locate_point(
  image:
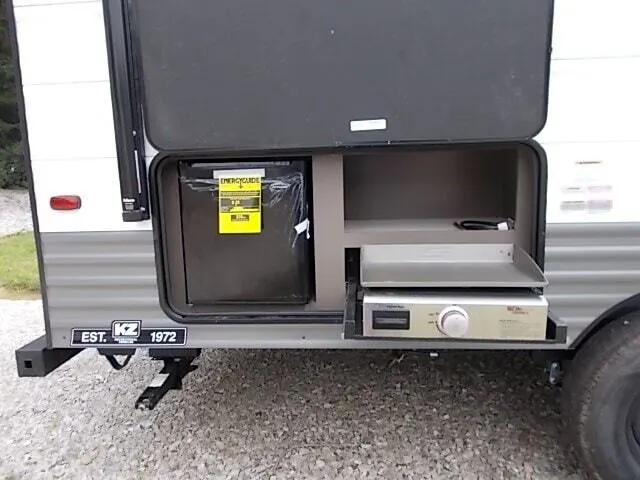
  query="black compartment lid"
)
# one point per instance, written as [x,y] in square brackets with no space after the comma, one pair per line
[260,76]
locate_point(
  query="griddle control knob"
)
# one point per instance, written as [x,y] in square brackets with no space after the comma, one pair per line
[453,322]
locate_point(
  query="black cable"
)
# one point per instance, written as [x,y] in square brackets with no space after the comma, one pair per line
[481,224]
[114,363]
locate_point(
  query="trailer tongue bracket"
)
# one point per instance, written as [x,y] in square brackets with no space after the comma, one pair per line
[169,378]
[36,359]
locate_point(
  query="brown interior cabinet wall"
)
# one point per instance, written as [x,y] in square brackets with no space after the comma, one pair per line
[429,185]
[328,230]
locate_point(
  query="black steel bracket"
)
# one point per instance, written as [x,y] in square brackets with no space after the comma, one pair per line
[162,353]
[352,328]
[123,352]
[127,110]
[169,378]
[35,359]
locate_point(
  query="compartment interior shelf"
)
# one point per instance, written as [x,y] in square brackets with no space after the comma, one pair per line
[449,266]
[411,231]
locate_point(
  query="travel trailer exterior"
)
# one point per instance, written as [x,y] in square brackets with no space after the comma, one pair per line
[417,175]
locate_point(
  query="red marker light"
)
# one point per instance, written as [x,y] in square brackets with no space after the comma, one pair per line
[65,202]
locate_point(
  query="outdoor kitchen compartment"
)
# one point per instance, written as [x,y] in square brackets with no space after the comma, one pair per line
[269,267]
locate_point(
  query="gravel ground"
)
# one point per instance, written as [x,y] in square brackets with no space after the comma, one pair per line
[275,414]
[15,213]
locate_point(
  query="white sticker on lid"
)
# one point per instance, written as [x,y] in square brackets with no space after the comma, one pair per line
[368,125]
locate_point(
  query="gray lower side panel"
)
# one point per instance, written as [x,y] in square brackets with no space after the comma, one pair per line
[95,278]
[590,267]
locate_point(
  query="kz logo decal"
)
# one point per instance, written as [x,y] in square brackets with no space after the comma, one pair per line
[125,332]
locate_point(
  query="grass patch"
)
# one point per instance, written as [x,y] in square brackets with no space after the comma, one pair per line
[18,265]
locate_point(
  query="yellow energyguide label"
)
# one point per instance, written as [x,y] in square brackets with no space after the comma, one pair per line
[240,202]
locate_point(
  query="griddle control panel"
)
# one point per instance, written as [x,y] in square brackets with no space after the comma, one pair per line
[433,315]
